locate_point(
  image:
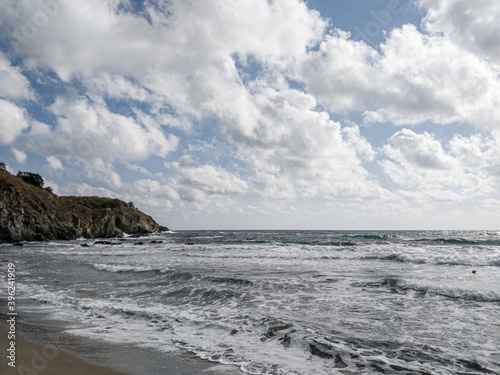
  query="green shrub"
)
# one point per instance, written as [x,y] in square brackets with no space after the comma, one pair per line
[31,178]
[98,202]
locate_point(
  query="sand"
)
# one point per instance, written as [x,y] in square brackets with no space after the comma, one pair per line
[34,359]
[44,348]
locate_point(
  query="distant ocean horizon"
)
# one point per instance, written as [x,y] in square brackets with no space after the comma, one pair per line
[281,302]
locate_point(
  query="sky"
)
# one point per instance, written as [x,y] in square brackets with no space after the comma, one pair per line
[260,114]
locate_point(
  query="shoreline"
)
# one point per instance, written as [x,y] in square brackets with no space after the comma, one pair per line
[44,348]
[32,358]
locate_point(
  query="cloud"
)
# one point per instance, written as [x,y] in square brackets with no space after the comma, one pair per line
[15,85]
[54,163]
[414,78]
[418,150]
[294,149]
[477,152]
[13,120]
[275,130]
[20,156]
[418,164]
[88,130]
[208,178]
[240,97]
[473,25]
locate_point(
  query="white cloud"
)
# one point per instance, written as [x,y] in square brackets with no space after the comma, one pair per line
[54,163]
[294,149]
[418,150]
[116,86]
[472,24]
[13,120]
[88,130]
[420,165]
[220,71]
[477,153]
[208,178]
[415,78]
[20,156]
[14,84]
[102,38]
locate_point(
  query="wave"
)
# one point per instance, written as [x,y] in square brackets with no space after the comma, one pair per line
[457,241]
[398,285]
[122,268]
[230,280]
[455,259]
[166,274]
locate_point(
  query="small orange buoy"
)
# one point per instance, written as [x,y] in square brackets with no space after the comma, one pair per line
[473,271]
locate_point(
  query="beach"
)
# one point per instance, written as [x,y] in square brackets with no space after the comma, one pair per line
[43,348]
[33,358]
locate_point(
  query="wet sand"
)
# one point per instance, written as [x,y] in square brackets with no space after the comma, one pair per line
[33,359]
[44,348]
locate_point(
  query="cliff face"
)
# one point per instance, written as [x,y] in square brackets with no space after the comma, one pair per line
[30,213]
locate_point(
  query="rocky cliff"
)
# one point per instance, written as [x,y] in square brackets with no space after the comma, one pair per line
[31,213]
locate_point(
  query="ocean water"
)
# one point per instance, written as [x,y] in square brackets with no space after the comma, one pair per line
[281,302]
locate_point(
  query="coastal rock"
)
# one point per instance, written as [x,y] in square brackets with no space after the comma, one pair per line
[30,213]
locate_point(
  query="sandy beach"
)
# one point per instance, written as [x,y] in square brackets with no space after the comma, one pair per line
[43,348]
[31,358]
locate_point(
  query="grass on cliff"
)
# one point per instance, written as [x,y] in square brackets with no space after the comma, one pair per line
[89,202]
[99,202]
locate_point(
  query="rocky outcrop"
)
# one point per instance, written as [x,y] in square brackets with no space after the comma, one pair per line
[30,213]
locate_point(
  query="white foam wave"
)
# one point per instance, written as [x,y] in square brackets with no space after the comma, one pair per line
[455,292]
[444,256]
[118,268]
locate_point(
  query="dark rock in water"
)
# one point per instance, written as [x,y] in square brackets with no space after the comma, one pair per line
[17,244]
[31,213]
[84,245]
[189,243]
[156,241]
[272,330]
[103,243]
[318,352]
[286,341]
[234,332]
[139,243]
[339,363]
[400,368]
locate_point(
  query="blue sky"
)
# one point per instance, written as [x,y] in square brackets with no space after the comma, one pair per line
[284,114]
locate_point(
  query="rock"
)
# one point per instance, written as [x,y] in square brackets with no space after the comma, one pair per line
[111,227]
[339,363]
[318,352]
[287,341]
[103,243]
[234,332]
[156,241]
[30,213]
[272,330]
[84,245]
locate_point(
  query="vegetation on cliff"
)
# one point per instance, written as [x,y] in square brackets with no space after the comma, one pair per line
[29,212]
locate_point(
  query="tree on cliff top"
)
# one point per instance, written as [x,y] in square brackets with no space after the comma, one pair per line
[3,166]
[31,178]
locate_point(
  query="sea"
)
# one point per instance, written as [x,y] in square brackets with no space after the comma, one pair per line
[280,302]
